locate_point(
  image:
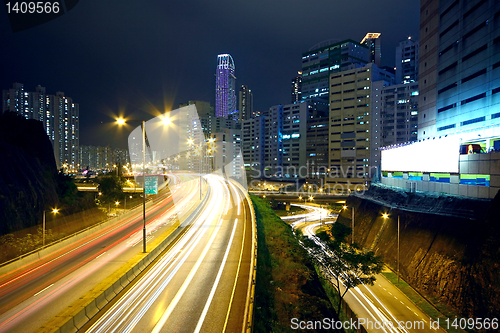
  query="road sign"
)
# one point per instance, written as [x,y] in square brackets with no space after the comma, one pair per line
[151,184]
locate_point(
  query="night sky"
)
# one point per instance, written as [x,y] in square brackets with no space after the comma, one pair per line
[140,57]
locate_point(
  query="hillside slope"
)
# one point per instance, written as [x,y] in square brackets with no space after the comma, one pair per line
[449,246]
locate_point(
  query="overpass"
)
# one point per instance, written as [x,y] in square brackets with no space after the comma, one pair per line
[294,196]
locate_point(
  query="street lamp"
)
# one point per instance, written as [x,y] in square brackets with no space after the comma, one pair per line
[191,142]
[352,223]
[54,211]
[165,121]
[385,215]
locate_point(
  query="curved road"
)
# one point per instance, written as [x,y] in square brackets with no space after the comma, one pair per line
[380,303]
[203,283]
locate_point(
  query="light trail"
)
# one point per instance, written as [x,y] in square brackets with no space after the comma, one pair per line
[150,304]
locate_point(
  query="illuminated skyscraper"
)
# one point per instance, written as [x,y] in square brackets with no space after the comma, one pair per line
[225,81]
[372,41]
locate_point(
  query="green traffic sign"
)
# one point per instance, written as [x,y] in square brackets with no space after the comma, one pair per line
[151,185]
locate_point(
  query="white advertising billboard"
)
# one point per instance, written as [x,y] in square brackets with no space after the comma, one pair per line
[432,155]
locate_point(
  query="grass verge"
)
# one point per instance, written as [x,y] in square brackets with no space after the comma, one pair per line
[442,312]
[287,285]
[333,296]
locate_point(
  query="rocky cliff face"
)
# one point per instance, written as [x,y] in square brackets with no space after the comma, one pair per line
[28,173]
[448,245]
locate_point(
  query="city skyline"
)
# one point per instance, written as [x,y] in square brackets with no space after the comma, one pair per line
[112,66]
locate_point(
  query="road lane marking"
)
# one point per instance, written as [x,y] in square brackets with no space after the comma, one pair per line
[100,255]
[41,291]
[159,325]
[217,279]
[237,271]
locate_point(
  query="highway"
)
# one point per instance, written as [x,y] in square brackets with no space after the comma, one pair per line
[203,283]
[36,293]
[380,303]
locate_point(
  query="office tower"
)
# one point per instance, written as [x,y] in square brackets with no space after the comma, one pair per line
[459,70]
[225,95]
[317,149]
[352,131]
[322,60]
[297,88]
[373,42]
[407,61]
[59,115]
[245,103]
[294,134]
[399,114]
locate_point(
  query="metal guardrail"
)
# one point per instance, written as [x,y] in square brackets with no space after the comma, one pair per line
[131,210]
[252,277]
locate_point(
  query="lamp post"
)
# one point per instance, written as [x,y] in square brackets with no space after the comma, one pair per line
[386,216]
[190,141]
[352,223]
[320,211]
[398,249]
[121,121]
[54,211]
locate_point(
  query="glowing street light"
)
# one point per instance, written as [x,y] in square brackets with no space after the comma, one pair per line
[54,211]
[385,215]
[165,121]
[352,223]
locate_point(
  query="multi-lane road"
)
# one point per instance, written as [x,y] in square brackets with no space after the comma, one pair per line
[378,304]
[203,282]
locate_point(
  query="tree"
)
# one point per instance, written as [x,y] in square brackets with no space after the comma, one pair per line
[344,265]
[110,187]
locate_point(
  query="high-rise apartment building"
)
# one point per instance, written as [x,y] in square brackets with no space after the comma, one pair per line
[98,158]
[351,152]
[225,83]
[245,103]
[460,69]
[67,136]
[373,41]
[407,61]
[59,115]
